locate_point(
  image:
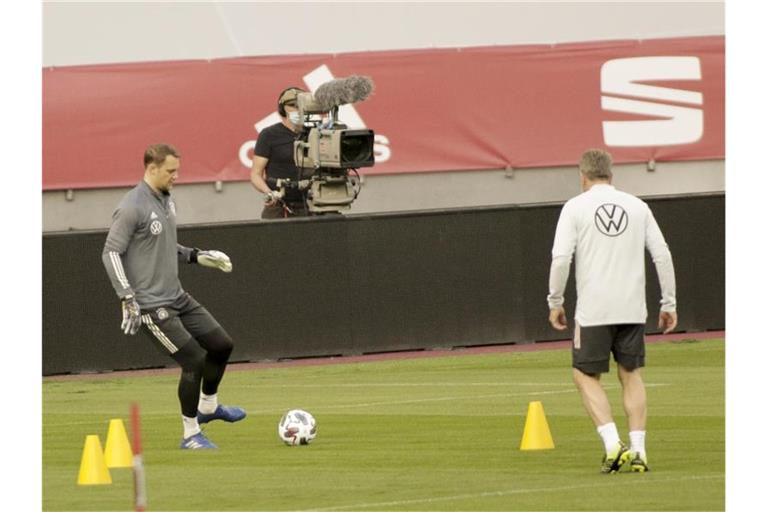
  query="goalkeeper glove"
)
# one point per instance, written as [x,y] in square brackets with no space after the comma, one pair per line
[131,315]
[213,259]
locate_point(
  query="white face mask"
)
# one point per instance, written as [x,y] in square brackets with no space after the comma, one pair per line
[294,117]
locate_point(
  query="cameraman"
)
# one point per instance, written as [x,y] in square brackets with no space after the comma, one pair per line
[273,160]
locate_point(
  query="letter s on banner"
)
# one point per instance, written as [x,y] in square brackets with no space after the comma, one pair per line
[381,149]
[680,125]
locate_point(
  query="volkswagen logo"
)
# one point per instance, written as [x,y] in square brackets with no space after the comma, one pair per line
[611,219]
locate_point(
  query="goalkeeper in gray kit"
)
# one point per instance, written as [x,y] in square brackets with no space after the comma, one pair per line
[141,257]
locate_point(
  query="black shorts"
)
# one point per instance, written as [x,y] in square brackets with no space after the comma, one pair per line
[592,347]
[173,326]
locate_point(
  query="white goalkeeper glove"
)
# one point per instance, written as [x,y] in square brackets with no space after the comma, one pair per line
[131,315]
[214,259]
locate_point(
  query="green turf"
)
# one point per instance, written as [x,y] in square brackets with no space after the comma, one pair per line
[437,433]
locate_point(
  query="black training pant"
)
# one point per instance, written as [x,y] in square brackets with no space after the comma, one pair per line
[187,332]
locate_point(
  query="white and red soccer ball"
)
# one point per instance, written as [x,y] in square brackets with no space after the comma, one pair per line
[297,427]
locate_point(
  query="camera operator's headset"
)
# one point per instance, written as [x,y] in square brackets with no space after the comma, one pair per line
[285,98]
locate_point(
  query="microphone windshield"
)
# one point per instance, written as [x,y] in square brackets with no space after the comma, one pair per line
[341,91]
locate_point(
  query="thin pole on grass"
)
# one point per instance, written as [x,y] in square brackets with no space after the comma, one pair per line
[139,482]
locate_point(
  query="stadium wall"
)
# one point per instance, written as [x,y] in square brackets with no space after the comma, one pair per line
[238,201]
[340,285]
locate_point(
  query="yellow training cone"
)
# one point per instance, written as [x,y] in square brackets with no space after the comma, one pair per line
[536,435]
[93,470]
[117,451]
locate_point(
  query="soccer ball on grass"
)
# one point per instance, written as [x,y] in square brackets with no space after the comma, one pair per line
[297,427]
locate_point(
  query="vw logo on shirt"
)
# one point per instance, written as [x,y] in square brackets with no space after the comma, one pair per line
[156,227]
[611,219]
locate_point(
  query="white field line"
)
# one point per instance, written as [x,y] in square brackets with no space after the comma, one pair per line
[317,385]
[412,401]
[510,492]
[320,407]
[446,399]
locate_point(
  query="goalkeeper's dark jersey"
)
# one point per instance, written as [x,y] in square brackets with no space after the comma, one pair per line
[141,254]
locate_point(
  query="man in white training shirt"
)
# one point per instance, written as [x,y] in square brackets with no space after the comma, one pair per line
[609,231]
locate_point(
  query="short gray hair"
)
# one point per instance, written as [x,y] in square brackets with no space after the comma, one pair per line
[596,165]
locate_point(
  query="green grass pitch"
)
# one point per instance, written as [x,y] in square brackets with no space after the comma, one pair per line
[440,433]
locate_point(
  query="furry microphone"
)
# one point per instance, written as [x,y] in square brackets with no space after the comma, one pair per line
[341,91]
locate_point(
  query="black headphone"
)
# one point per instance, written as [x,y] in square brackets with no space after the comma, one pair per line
[281,104]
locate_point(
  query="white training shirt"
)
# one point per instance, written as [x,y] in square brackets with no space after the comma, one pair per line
[609,231]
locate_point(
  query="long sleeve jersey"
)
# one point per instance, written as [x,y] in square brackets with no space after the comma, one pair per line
[141,253]
[609,230]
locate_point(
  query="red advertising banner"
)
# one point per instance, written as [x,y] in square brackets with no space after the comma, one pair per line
[432,110]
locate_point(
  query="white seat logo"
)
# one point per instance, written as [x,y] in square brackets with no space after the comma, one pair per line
[678,124]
